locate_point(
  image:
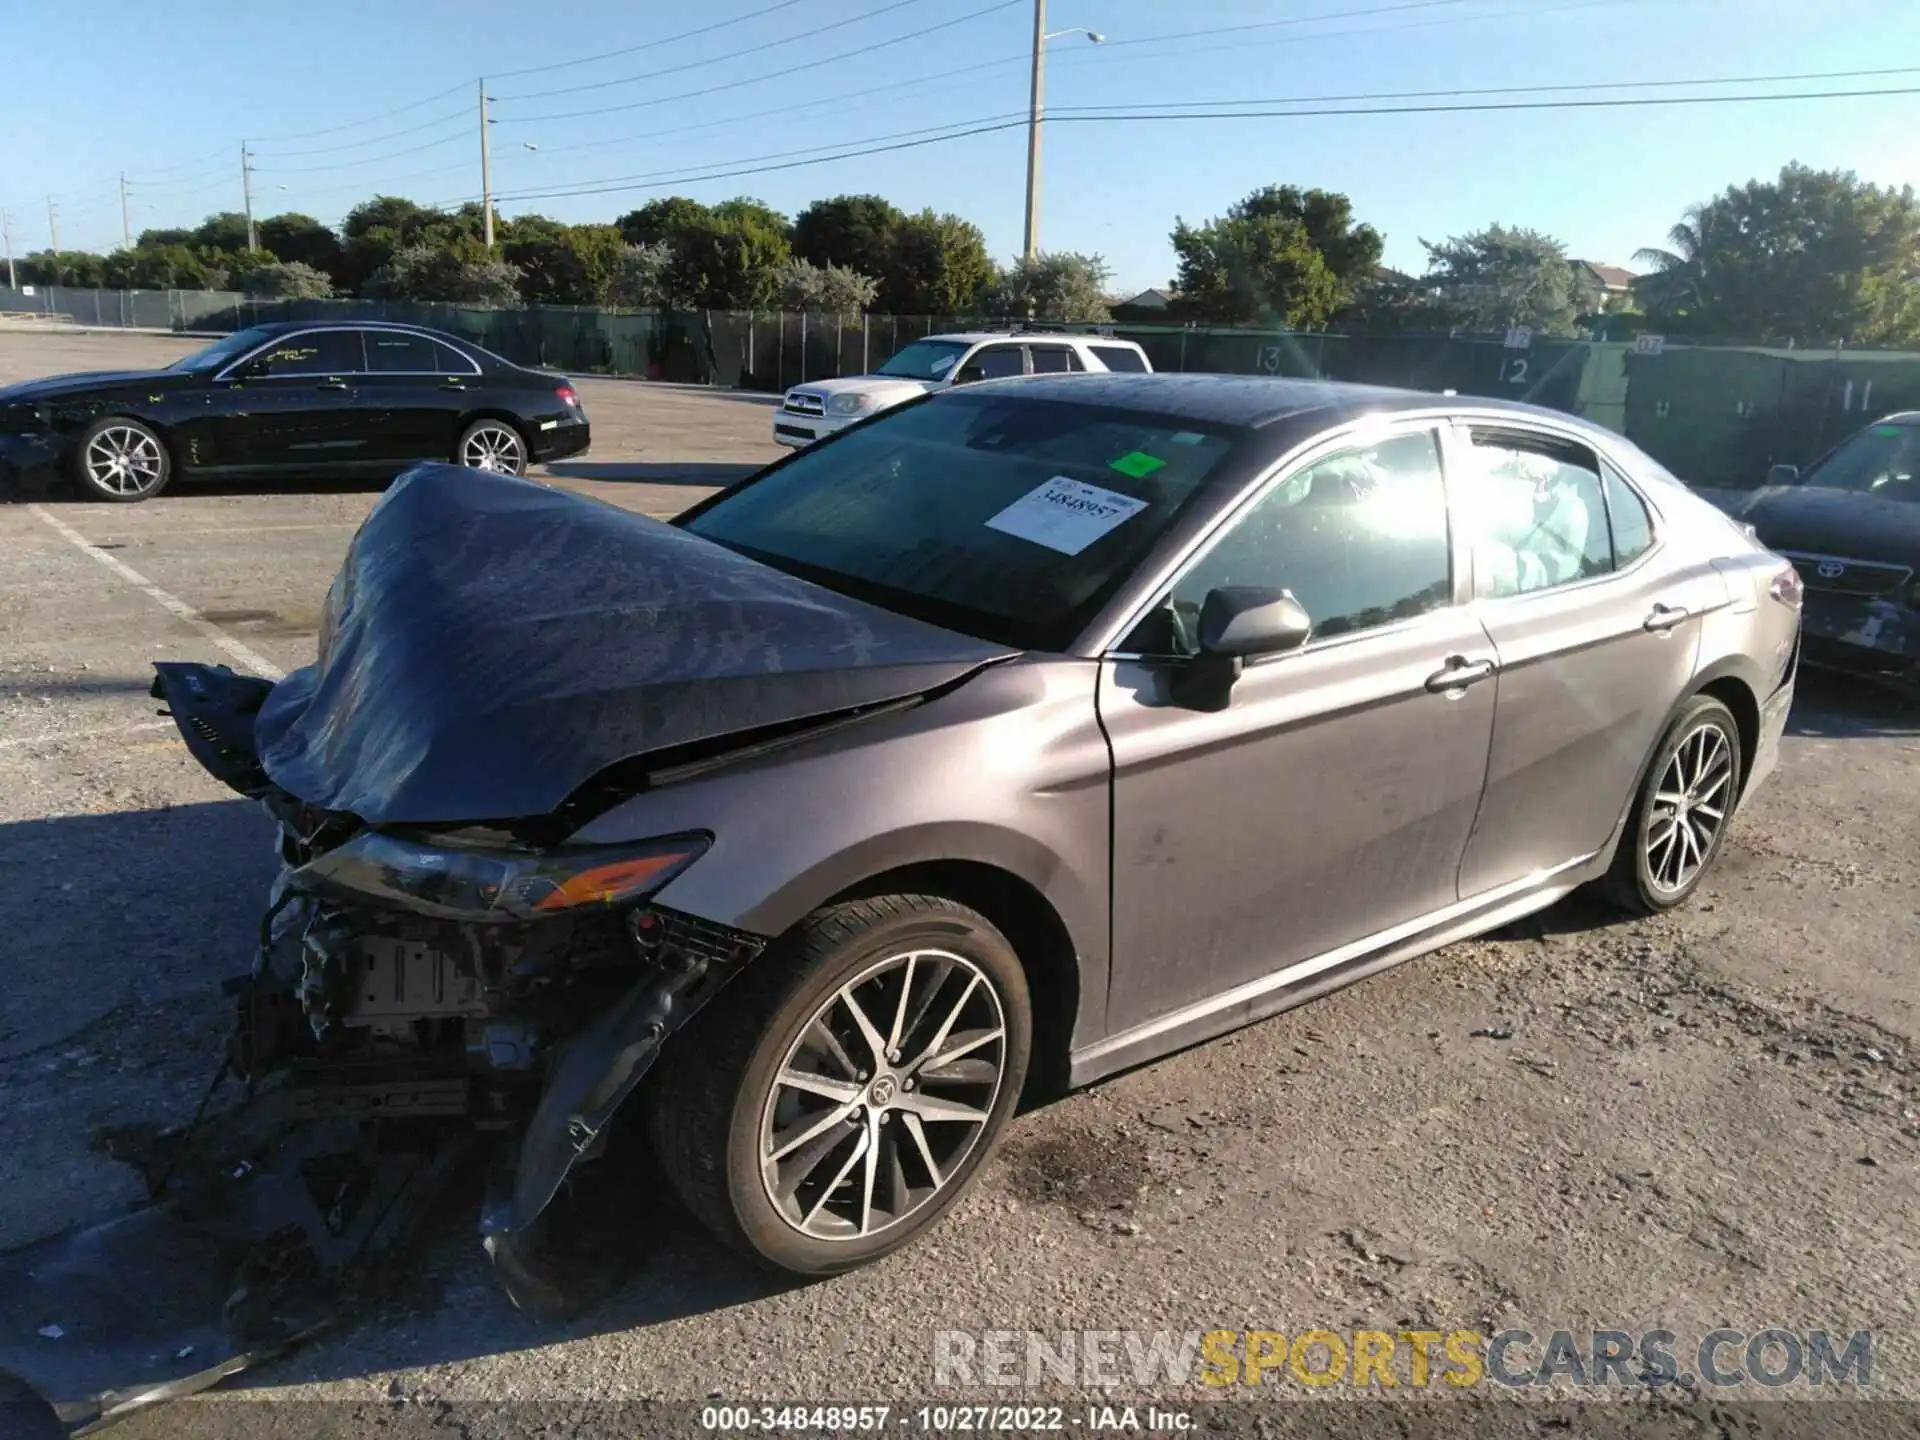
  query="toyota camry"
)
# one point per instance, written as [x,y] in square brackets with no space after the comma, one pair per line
[1023,733]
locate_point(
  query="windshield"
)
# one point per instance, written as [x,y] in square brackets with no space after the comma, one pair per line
[229,347]
[1009,519]
[925,360]
[1882,460]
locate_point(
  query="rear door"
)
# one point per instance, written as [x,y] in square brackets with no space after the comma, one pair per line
[419,388]
[1597,629]
[296,405]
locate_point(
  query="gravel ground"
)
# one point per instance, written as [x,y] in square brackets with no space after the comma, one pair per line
[1700,1120]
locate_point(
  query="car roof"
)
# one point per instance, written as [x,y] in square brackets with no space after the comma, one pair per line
[282,327]
[973,337]
[1252,401]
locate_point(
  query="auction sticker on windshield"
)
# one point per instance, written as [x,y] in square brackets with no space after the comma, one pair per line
[1066,515]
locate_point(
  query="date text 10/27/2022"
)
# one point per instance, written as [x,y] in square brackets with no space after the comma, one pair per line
[944,1419]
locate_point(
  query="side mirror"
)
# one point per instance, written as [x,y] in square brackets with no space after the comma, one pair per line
[1238,623]
[967,374]
[1783,475]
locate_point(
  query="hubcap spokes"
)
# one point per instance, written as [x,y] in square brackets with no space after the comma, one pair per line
[883,1096]
[124,460]
[495,448]
[1689,807]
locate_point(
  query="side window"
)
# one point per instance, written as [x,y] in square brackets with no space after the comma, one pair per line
[1534,511]
[995,362]
[449,361]
[1120,358]
[396,352]
[1053,359]
[317,352]
[1632,526]
[1359,537]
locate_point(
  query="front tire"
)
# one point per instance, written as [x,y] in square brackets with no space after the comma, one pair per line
[833,1103]
[1679,819]
[492,445]
[121,460]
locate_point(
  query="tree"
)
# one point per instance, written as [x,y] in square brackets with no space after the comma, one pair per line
[226,231]
[636,279]
[562,264]
[1059,285]
[287,280]
[1282,255]
[658,220]
[461,274]
[300,240]
[69,267]
[1501,277]
[940,266]
[1815,255]
[167,267]
[860,232]
[830,289]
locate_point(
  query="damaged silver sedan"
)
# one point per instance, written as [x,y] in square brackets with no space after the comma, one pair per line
[1014,737]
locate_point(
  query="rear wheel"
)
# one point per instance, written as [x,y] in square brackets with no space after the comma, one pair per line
[834,1102]
[122,460]
[492,445]
[1680,816]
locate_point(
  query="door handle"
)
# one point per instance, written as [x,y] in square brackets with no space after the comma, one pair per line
[452,385]
[1663,618]
[1459,673]
[332,385]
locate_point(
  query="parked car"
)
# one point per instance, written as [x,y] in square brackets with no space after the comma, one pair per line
[294,398]
[1030,732]
[1851,526]
[819,408]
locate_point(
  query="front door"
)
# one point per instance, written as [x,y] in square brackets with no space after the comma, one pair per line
[1596,635]
[1332,798]
[296,406]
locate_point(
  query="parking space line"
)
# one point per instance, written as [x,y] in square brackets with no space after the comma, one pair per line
[172,604]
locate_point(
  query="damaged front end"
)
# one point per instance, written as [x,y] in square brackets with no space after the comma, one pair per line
[421,999]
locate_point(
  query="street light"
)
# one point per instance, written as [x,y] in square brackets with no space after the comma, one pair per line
[1040,37]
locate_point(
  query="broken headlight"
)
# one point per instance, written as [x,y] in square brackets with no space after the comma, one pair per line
[441,875]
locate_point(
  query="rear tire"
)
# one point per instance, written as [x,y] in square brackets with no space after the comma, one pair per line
[809,1178]
[1679,819]
[121,460]
[494,445]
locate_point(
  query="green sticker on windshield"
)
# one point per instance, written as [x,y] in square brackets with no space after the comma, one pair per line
[1889,432]
[1137,464]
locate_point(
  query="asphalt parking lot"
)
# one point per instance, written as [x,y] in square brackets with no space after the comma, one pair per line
[1706,1119]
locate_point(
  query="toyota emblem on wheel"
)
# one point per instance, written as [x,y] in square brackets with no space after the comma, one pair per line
[1831,570]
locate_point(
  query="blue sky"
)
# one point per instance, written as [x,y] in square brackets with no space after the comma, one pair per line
[166,93]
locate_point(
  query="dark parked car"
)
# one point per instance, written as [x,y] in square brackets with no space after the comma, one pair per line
[1029,730]
[293,399]
[1851,526]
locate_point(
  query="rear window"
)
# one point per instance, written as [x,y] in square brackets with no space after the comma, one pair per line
[1010,519]
[1122,358]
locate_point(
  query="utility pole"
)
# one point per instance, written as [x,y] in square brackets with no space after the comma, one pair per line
[53,225]
[486,168]
[6,230]
[126,224]
[1033,129]
[246,196]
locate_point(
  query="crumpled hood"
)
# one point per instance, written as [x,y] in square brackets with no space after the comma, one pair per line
[50,387]
[1845,523]
[491,644]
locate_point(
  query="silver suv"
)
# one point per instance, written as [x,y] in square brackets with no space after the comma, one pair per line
[820,407]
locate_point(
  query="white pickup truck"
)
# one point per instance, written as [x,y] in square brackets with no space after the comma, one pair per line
[820,407]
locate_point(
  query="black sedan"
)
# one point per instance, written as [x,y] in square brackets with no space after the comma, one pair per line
[1851,526]
[296,398]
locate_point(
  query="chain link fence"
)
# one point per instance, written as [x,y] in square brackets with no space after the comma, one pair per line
[1715,415]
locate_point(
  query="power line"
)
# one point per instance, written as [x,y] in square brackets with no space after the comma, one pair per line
[718,59]
[462,139]
[773,75]
[463,116]
[367,120]
[1290,20]
[990,126]
[648,45]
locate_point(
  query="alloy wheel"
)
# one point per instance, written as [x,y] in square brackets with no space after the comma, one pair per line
[883,1095]
[1689,807]
[493,447]
[124,460]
